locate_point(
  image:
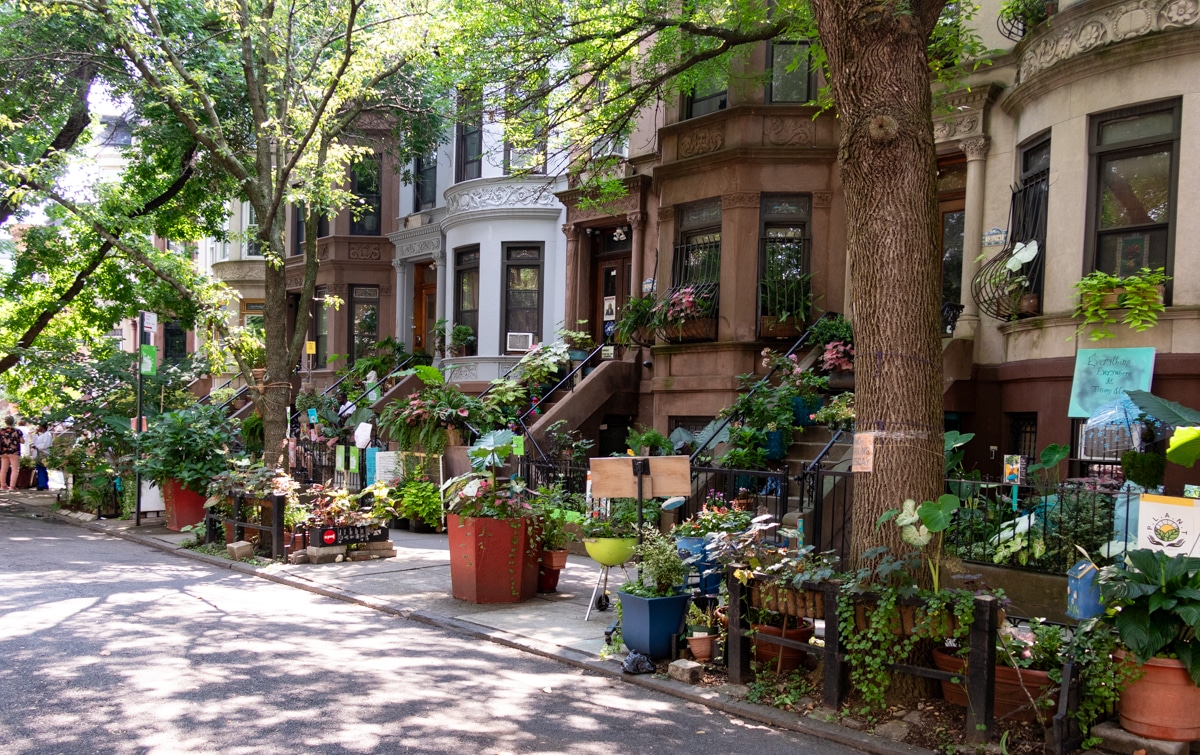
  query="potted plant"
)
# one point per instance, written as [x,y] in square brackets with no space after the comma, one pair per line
[806,383]
[610,533]
[461,338]
[646,441]
[425,419]
[494,545]
[838,414]
[1140,295]
[579,342]
[635,322]
[440,328]
[542,367]
[691,536]
[688,313]
[1029,13]
[1153,600]
[180,452]
[420,502]
[556,509]
[654,606]
[785,297]
[702,632]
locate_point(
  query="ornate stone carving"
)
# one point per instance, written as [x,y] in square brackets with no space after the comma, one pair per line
[1105,26]
[702,140]
[822,198]
[975,148]
[796,131]
[963,124]
[367,252]
[337,289]
[571,231]
[240,270]
[637,220]
[500,196]
[466,369]
[323,252]
[741,199]
[622,206]
[666,214]
[419,248]
[296,283]
[439,257]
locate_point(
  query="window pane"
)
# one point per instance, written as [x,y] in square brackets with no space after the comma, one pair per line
[1135,190]
[952,256]
[1126,253]
[1137,127]
[524,253]
[783,290]
[366,328]
[468,290]
[789,72]
[1036,158]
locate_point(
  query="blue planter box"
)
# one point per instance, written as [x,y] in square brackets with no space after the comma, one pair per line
[802,409]
[710,584]
[648,624]
[776,447]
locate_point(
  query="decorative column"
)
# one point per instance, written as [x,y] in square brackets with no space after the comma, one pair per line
[404,313]
[442,271]
[637,221]
[571,304]
[976,149]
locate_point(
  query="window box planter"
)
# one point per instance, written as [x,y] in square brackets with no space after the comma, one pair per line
[694,330]
[649,624]
[771,327]
[492,560]
[841,380]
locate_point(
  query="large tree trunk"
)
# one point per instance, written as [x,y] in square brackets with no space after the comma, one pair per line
[880,84]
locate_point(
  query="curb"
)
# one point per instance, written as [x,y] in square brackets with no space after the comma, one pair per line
[710,699]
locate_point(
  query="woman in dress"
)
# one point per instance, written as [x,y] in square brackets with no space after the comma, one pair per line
[10,454]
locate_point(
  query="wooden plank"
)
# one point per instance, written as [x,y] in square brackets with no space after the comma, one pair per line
[613,477]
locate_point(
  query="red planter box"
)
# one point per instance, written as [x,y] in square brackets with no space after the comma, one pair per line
[184,507]
[492,560]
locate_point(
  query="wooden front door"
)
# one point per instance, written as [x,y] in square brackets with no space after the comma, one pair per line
[610,277]
[424,306]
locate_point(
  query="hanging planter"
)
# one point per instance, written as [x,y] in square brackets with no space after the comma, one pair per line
[841,380]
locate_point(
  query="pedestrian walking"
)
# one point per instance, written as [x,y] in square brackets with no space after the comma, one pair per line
[42,440]
[10,454]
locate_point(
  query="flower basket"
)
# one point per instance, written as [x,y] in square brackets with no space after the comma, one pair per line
[1011,690]
[909,619]
[798,604]
[690,331]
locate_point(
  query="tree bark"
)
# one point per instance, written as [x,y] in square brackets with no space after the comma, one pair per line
[881,89]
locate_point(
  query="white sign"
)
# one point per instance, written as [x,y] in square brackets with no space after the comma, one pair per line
[1168,523]
[385,465]
[149,320]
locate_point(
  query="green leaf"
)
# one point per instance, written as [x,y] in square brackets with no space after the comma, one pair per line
[1169,412]
[886,516]
[937,515]
[1184,447]
[1190,613]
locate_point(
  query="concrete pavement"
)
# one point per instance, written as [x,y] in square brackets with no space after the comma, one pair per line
[416,585]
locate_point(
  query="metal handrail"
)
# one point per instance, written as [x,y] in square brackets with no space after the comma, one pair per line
[763,381]
[206,397]
[570,376]
[367,389]
[245,389]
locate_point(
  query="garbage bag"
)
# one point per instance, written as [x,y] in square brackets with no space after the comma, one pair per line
[636,663]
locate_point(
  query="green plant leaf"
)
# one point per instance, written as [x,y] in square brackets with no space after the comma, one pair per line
[1169,412]
[937,515]
[1184,447]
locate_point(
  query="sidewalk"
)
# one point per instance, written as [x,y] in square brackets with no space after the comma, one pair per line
[416,585]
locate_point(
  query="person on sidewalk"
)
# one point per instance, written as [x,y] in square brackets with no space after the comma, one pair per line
[42,440]
[10,454]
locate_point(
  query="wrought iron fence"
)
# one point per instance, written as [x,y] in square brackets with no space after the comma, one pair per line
[261,521]
[827,496]
[316,463]
[1040,526]
[754,490]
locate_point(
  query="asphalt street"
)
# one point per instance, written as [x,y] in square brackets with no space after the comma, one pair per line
[110,646]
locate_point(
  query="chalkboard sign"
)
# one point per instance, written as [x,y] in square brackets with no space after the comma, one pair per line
[1102,375]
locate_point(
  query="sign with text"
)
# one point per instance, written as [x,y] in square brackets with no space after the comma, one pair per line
[323,536]
[1168,523]
[149,359]
[1102,375]
[864,453]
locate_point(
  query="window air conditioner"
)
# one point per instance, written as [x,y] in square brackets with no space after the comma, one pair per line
[520,341]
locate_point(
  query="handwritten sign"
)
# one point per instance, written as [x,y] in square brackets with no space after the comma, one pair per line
[1102,375]
[864,453]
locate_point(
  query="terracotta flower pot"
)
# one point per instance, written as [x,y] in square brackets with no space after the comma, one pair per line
[769,654]
[1163,703]
[702,647]
[1011,690]
[690,331]
[492,560]
[183,506]
[556,559]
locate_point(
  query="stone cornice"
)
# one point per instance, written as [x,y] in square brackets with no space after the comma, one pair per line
[508,192]
[742,156]
[234,271]
[968,116]
[1128,31]
[416,243]
[635,186]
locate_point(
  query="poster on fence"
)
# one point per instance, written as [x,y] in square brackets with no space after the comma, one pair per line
[385,465]
[1168,523]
